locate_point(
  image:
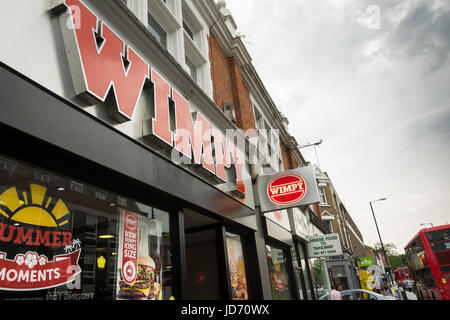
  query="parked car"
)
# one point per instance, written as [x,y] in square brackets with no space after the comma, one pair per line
[320,291]
[408,284]
[359,294]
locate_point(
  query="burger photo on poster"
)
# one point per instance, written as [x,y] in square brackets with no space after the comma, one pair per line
[144,286]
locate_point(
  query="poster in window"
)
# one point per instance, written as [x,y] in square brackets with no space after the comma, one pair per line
[278,274]
[37,249]
[139,247]
[237,268]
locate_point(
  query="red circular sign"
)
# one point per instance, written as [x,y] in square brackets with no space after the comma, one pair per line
[286,189]
[131,222]
[200,278]
[279,281]
[130,272]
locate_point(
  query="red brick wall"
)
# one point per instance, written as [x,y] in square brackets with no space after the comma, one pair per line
[316,210]
[228,85]
[245,117]
[220,75]
[287,156]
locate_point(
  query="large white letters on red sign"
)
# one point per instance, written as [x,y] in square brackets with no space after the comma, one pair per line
[161,121]
[102,55]
[105,63]
[192,137]
[223,155]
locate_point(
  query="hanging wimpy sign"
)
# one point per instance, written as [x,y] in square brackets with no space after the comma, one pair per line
[287,189]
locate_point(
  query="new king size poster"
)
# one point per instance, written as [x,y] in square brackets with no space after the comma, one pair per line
[129,247]
[140,275]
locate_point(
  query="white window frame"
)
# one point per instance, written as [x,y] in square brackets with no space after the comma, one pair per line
[196,49]
[167,19]
[272,141]
[166,35]
[321,187]
[259,121]
[328,218]
[169,15]
[165,14]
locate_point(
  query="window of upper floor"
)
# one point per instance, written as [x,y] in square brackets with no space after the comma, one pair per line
[268,141]
[157,31]
[188,30]
[178,26]
[195,45]
[322,195]
[329,225]
[192,69]
[259,120]
[162,22]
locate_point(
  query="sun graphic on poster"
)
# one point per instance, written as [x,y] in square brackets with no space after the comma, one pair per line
[33,211]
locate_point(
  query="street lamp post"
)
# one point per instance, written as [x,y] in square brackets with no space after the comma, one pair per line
[379,236]
[422,224]
[315,144]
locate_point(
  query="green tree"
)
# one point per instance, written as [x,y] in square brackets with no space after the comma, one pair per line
[396,260]
[391,249]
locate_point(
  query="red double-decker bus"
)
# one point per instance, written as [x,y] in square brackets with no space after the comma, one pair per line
[429,262]
[401,274]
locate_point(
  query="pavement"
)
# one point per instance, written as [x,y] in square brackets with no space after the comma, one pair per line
[409,294]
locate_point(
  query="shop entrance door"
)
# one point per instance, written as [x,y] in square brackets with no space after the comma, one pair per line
[204,261]
[202,266]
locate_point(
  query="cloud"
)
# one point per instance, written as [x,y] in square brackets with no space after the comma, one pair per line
[424,32]
[378,97]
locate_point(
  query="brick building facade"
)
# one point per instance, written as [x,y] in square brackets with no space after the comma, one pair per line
[338,220]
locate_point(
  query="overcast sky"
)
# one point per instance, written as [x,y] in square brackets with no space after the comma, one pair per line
[377,91]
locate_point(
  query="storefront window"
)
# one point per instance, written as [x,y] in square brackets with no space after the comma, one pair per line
[279,277]
[298,273]
[144,242]
[320,276]
[301,223]
[236,266]
[339,277]
[303,269]
[66,240]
